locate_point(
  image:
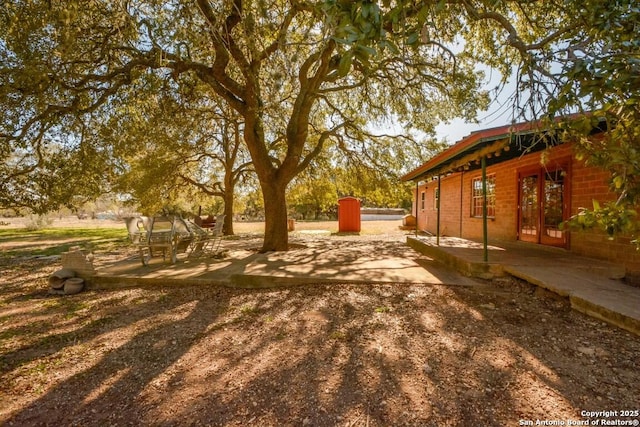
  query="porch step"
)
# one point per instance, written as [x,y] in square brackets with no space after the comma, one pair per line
[596,295]
[467,265]
[592,286]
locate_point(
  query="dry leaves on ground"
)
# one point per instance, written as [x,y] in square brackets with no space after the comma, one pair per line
[317,355]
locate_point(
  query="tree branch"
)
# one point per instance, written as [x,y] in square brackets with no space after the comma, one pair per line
[215,189]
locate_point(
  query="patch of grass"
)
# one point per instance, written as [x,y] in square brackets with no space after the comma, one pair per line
[143,300]
[98,323]
[338,336]
[39,368]
[12,333]
[246,312]
[61,233]
[54,241]
[162,298]
[51,303]
[73,307]
[249,310]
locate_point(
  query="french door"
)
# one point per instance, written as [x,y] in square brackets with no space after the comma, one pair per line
[543,205]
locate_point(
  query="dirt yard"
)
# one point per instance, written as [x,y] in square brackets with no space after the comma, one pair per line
[495,354]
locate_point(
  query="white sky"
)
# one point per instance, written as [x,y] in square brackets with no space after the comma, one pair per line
[499,113]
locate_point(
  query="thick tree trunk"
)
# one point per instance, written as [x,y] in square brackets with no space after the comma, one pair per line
[276,235]
[228,213]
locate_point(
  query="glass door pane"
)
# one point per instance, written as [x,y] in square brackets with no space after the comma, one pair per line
[553,206]
[529,210]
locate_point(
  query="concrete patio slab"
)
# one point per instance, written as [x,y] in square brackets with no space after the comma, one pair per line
[319,261]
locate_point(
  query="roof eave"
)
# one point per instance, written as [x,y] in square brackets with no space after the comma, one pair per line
[439,166]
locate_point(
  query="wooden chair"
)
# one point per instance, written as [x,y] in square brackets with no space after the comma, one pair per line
[138,228]
[166,235]
[207,243]
[160,239]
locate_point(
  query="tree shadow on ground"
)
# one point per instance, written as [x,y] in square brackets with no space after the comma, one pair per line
[317,355]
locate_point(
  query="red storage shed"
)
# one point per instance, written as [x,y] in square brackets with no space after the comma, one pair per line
[348,215]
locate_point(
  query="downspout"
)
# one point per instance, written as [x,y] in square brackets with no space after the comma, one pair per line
[438,214]
[485,256]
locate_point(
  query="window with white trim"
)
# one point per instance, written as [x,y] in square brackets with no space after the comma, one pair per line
[477,196]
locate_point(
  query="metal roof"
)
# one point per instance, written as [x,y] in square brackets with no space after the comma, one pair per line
[487,142]
[496,145]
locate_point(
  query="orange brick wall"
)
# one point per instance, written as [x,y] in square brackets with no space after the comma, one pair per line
[590,184]
[586,184]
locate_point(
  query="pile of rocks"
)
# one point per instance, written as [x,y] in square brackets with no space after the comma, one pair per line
[65,282]
[77,268]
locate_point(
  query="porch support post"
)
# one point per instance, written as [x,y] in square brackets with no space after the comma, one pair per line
[416,203]
[438,214]
[485,256]
[461,192]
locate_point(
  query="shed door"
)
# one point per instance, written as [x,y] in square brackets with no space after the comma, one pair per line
[543,205]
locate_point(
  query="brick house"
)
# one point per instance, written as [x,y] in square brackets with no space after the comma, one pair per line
[533,183]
